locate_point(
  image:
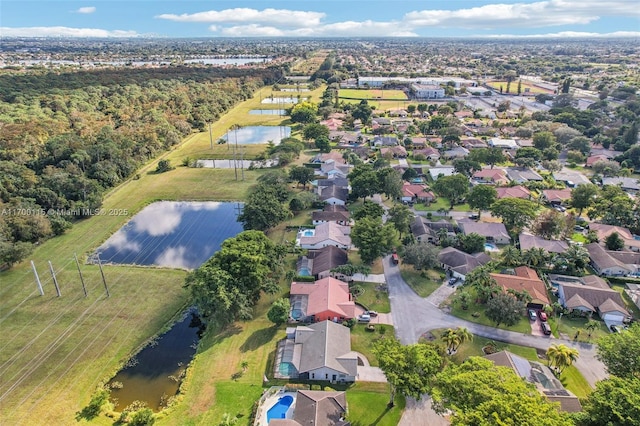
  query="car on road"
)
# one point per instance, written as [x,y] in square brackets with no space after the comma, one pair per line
[532,315]
[542,316]
[371,314]
[546,328]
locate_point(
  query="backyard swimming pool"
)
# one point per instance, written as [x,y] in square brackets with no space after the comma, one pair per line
[308,233]
[490,247]
[280,409]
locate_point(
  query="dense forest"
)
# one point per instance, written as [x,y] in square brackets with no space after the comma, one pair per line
[67,137]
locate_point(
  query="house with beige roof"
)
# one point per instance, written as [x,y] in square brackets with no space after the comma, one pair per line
[613,263]
[332,213]
[557,196]
[494,232]
[517,191]
[603,231]
[325,234]
[491,176]
[325,299]
[527,280]
[317,408]
[528,241]
[319,263]
[458,263]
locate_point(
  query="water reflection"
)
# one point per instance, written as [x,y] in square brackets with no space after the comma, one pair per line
[173,234]
[258,134]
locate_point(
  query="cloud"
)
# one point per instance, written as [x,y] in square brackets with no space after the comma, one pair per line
[267,17]
[522,15]
[86,9]
[338,29]
[64,32]
[568,34]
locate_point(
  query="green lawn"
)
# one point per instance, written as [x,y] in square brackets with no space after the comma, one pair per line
[362,340]
[575,382]
[569,326]
[475,313]
[579,238]
[442,203]
[376,266]
[513,87]
[373,299]
[422,285]
[372,94]
[368,405]
[630,305]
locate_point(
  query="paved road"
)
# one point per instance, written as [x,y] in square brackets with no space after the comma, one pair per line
[413,316]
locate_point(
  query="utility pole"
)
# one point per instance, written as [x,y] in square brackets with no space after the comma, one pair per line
[55,281]
[84,288]
[102,273]
[235,150]
[210,137]
[35,272]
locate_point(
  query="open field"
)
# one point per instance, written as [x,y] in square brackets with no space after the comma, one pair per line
[61,349]
[311,64]
[422,285]
[513,89]
[368,405]
[372,94]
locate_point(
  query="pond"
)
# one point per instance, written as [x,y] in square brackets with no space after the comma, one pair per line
[251,135]
[154,374]
[172,234]
[283,100]
[267,112]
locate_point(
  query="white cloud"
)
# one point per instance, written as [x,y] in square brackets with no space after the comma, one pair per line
[86,9]
[569,34]
[338,29]
[64,32]
[282,17]
[523,15]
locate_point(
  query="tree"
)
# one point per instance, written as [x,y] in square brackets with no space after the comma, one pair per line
[561,356]
[482,197]
[535,257]
[304,112]
[400,216]
[454,187]
[615,401]
[472,243]
[505,309]
[409,174]
[574,259]
[143,417]
[620,352]
[12,253]
[583,196]
[369,209]
[455,338]
[301,174]
[408,369]
[314,131]
[362,111]
[614,242]
[466,167]
[390,182]
[544,140]
[263,210]
[479,393]
[372,238]
[492,156]
[422,255]
[529,152]
[550,225]
[516,213]
[364,181]
[279,311]
[323,144]
[591,326]
[163,166]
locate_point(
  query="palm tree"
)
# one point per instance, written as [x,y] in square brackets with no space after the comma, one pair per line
[464,335]
[511,256]
[451,339]
[561,356]
[591,326]
[534,257]
[577,257]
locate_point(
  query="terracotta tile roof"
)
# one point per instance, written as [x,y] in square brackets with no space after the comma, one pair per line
[526,279]
[557,195]
[327,294]
[518,191]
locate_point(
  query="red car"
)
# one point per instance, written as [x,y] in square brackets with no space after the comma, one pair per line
[542,316]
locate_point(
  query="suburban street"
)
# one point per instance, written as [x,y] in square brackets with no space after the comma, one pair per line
[413,316]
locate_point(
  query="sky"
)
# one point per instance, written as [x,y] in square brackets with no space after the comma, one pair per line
[326,18]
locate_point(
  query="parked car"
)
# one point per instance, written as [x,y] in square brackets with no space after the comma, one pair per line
[364,318]
[532,315]
[474,216]
[454,280]
[372,314]
[615,328]
[542,316]
[578,228]
[546,328]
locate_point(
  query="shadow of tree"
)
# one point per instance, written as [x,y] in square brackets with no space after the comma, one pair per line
[209,340]
[258,338]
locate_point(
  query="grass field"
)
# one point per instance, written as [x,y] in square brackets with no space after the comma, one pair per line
[362,339]
[422,285]
[513,89]
[368,405]
[61,349]
[372,94]
[374,299]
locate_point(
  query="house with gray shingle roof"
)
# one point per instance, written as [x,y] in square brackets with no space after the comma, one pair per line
[495,232]
[528,241]
[459,263]
[317,408]
[591,294]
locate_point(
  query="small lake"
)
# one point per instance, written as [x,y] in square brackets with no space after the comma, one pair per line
[173,234]
[284,100]
[251,135]
[289,89]
[267,112]
[155,373]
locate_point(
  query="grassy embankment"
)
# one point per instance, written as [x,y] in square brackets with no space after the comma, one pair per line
[60,349]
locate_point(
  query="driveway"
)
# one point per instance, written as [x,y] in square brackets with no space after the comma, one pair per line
[420,413]
[413,316]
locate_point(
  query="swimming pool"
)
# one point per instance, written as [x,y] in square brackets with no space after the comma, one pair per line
[296,314]
[308,233]
[279,410]
[286,368]
[490,247]
[304,272]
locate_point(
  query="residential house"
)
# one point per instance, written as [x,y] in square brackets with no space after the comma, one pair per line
[491,176]
[322,351]
[473,143]
[426,230]
[436,172]
[332,213]
[332,169]
[336,181]
[429,153]
[609,154]
[525,143]
[418,142]
[334,195]
[412,193]
[570,178]
[626,183]
[332,123]
[525,280]
[456,152]
[556,196]
[328,157]
[319,263]
[603,231]
[595,159]
[317,408]
[495,232]
[384,141]
[394,151]
[518,191]
[528,241]
[459,263]
[540,376]
[325,234]
[606,263]
[523,175]
[509,144]
[463,114]
[590,294]
[325,299]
